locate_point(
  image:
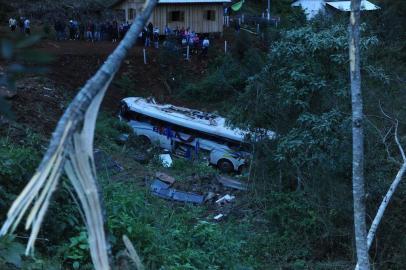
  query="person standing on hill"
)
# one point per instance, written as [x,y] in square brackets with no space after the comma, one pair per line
[72,30]
[168,31]
[156,37]
[90,31]
[150,27]
[81,31]
[237,25]
[114,32]
[103,31]
[21,24]
[144,35]
[12,23]
[147,37]
[76,29]
[27,27]
[97,31]
[205,47]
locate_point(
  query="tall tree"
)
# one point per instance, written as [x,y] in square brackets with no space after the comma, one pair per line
[358,186]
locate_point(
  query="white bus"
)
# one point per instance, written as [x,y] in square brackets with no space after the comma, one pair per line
[187,132]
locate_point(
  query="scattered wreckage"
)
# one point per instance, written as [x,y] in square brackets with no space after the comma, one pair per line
[188,133]
[162,186]
[163,190]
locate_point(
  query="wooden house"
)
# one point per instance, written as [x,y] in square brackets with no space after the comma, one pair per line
[201,16]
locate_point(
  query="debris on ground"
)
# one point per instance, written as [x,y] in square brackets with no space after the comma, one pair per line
[165,178]
[166,160]
[218,217]
[225,199]
[231,183]
[209,196]
[122,138]
[163,190]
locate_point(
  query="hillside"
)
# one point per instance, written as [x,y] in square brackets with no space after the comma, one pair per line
[295,210]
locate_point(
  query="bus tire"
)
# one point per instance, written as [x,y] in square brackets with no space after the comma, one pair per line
[225,166]
[144,140]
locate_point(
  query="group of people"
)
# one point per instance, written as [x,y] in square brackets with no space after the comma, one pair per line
[186,37]
[113,31]
[90,31]
[22,23]
[150,36]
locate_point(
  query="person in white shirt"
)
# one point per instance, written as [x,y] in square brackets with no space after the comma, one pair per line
[12,23]
[206,42]
[27,26]
[156,37]
[205,45]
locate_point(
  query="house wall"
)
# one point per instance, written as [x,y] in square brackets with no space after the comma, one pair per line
[131,4]
[194,15]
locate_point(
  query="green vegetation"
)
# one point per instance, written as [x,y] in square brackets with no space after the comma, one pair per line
[298,211]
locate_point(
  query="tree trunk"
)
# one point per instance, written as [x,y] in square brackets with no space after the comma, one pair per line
[358,139]
[388,196]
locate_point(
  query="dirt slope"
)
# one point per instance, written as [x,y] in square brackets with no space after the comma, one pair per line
[41,99]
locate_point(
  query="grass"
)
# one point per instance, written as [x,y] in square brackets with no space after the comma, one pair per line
[257,233]
[166,234]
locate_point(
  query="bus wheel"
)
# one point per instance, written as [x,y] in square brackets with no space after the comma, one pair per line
[225,166]
[144,141]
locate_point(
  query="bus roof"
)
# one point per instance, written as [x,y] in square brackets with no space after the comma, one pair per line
[205,122]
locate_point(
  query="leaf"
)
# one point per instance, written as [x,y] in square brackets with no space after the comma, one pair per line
[13,254]
[84,246]
[76,265]
[13,258]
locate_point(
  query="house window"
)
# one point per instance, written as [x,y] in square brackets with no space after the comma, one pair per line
[210,15]
[176,16]
[131,14]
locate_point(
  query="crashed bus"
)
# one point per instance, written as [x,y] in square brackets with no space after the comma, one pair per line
[187,132]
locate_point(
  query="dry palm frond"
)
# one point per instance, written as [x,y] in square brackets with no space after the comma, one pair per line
[71,150]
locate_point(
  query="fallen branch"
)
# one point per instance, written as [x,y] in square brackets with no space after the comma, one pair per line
[71,151]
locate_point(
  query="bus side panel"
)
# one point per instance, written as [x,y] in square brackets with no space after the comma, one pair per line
[148,130]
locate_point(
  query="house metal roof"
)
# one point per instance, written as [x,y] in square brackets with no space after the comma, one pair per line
[346,5]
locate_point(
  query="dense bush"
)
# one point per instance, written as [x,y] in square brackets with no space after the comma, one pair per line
[227,75]
[301,92]
[17,164]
